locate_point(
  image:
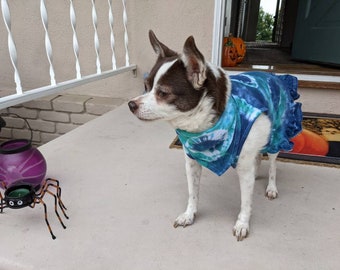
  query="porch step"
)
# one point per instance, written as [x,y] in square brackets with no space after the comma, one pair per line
[319,85]
[300,70]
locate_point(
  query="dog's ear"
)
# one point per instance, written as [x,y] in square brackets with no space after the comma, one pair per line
[159,48]
[194,63]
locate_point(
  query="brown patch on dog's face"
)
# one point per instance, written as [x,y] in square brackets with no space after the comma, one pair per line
[148,81]
[179,91]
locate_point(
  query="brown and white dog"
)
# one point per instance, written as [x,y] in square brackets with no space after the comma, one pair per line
[191,94]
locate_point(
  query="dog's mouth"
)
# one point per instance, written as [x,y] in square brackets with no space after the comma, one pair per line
[141,114]
[147,120]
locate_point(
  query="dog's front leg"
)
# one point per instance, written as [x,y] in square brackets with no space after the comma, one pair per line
[193,171]
[246,173]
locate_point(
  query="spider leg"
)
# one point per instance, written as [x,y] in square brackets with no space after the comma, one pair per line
[55,207]
[60,202]
[61,205]
[1,203]
[57,186]
[41,190]
[39,200]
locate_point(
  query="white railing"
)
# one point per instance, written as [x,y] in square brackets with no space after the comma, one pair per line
[29,94]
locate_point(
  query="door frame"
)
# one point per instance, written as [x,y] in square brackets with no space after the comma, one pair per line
[222,18]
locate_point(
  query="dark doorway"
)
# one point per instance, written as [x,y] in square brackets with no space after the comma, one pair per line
[245,22]
[245,18]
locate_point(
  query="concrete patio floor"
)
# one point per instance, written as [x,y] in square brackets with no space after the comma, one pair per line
[124,188]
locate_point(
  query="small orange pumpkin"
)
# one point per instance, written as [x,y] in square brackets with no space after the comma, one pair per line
[310,143]
[229,56]
[238,44]
[240,47]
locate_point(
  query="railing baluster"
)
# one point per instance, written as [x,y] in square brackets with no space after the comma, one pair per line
[48,45]
[75,39]
[96,39]
[112,38]
[126,38]
[11,45]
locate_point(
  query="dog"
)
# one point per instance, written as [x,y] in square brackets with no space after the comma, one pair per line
[220,122]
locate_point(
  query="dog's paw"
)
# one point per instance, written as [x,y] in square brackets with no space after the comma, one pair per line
[241,230]
[184,220]
[271,193]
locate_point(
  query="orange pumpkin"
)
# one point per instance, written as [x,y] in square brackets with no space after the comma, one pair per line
[239,44]
[240,47]
[229,56]
[310,143]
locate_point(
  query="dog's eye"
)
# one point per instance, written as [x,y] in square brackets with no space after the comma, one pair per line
[162,94]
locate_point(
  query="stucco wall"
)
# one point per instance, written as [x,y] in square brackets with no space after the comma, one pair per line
[172,22]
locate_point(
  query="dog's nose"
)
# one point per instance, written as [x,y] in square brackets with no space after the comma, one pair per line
[133,106]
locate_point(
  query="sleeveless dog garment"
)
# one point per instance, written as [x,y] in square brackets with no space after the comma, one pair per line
[252,94]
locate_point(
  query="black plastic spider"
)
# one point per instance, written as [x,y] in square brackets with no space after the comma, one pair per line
[19,196]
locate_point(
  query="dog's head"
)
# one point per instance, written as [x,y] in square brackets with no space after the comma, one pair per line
[177,83]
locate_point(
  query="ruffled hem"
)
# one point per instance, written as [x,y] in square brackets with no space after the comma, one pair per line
[293,117]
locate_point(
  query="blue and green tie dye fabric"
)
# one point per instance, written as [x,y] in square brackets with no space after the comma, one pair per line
[252,94]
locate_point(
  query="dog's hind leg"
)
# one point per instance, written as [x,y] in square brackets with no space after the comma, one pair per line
[193,171]
[271,191]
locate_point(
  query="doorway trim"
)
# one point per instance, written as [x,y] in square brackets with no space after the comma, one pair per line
[217,36]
